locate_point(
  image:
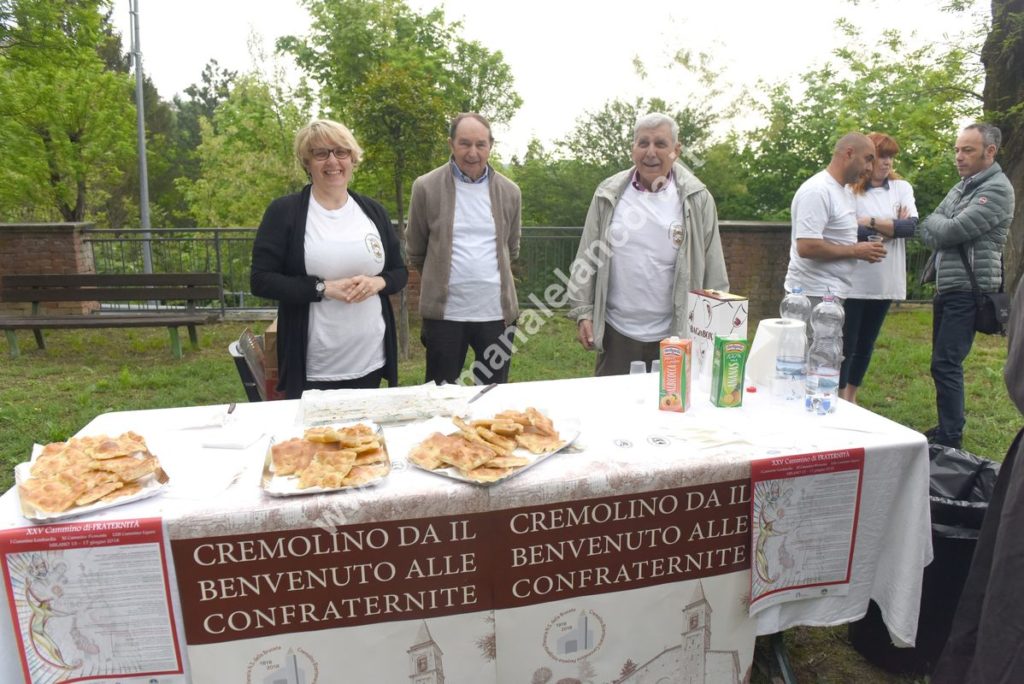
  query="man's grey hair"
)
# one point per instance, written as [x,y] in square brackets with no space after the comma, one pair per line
[655,120]
[990,135]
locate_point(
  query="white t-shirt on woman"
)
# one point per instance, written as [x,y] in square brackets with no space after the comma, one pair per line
[886,279]
[346,341]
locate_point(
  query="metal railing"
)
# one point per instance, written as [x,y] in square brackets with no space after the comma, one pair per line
[227,251]
[544,251]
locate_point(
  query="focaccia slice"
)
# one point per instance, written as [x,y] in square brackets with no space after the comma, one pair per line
[327,469]
[427,454]
[294,455]
[364,474]
[128,468]
[539,444]
[53,495]
[98,483]
[465,454]
[65,460]
[507,462]
[127,490]
[487,474]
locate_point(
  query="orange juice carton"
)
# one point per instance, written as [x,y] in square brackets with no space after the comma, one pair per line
[711,313]
[730,358]
[674,386]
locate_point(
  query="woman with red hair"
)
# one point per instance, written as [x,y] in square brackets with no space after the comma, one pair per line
[886,212]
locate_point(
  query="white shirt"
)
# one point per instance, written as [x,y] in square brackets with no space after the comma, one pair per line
[886,279]
[346,341]
[474,282]
[642,273]
[822,209]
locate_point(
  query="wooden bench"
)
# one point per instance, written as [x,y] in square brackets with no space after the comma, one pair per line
[189,288]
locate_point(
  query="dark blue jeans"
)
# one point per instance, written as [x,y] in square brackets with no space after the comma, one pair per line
[952,337]
[864,318]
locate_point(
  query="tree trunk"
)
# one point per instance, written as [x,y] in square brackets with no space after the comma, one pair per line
[403,300]
[1003,57]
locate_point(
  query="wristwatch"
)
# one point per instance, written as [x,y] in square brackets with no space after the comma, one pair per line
[872,224]
[321,289]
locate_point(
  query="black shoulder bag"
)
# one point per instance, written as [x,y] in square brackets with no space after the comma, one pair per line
[993,307]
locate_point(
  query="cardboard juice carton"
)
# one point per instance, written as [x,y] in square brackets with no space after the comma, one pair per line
[711,313]
[674,385]
[730,359]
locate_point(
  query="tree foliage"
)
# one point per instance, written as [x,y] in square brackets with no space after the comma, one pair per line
[66,123]
[380,59]
[918,96]
[245,156]
[351,39]
[556,191]
[604,138]
[398,119]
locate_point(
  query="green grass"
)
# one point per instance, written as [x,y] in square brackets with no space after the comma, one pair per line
[50,395]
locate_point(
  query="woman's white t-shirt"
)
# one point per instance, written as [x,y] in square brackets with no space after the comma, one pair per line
[346,341]
[886,279]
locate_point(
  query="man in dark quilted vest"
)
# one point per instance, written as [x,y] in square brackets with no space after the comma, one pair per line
[976,214]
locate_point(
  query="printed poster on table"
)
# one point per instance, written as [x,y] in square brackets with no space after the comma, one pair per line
[90,601]
[618,588]
[804,511]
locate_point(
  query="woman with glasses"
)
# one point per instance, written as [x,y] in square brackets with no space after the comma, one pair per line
[330,257]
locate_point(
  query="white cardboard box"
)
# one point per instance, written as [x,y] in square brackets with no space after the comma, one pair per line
[713,312]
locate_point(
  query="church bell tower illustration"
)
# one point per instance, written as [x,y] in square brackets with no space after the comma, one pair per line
[425,666]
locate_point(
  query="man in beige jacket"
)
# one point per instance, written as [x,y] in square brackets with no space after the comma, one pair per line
[462,236]
[651,236]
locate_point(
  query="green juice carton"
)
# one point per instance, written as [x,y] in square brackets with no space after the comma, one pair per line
[728,365]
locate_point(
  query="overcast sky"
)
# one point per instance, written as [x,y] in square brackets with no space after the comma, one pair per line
[567,56]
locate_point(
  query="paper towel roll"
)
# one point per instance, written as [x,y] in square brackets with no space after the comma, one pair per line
[761,360]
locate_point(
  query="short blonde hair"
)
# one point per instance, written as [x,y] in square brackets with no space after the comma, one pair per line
[325,133]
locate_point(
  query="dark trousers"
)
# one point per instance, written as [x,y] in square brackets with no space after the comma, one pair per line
[369,381]
[620,350]
[952,337]
[864,318]
[448,342]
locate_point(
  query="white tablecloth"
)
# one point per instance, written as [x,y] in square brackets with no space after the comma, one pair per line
[625,446]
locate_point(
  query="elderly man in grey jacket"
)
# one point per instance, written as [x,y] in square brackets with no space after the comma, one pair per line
[975,216]
[651,235]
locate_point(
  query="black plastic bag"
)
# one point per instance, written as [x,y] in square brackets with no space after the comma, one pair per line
[960,487]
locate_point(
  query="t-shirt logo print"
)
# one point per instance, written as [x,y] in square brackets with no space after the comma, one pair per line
[675,233]
[374,247]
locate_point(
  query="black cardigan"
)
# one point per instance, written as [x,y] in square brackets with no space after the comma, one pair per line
[279,272]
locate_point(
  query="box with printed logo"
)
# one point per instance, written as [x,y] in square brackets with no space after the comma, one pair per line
[711,313]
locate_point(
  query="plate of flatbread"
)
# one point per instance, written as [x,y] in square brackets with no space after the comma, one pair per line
[86,474]
[326,458]
[489,449]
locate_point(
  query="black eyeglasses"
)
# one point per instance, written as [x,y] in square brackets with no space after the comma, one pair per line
[322,153]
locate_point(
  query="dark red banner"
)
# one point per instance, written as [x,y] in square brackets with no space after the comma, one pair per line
[271,583]
[300,580]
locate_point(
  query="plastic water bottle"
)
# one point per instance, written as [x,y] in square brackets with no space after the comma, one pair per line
[791,356]
[789,382]
[796,305]
[824,356]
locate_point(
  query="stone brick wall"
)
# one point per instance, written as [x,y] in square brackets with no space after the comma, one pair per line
[56,248]
[757,256]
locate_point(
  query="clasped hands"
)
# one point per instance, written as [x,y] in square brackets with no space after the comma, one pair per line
[355,289]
